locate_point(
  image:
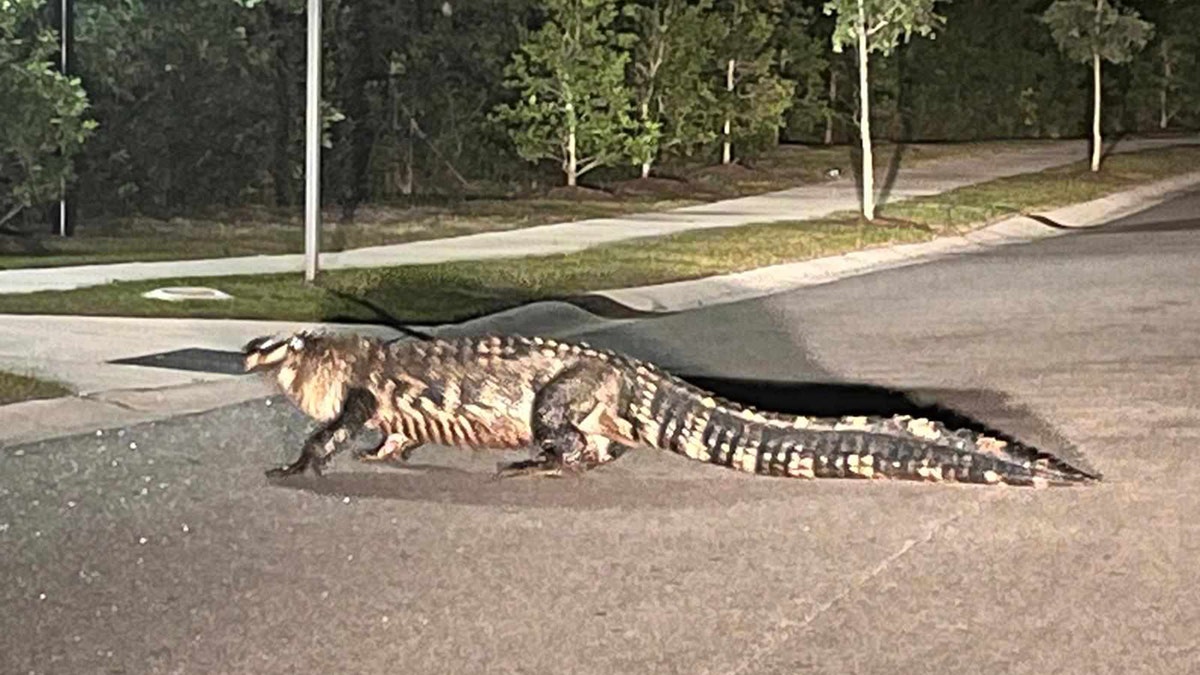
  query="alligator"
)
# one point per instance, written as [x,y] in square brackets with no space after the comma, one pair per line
[575,407]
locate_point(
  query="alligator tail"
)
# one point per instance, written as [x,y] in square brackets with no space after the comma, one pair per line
[677,417]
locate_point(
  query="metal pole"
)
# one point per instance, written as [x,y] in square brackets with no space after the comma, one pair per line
[65,9]
[312,142]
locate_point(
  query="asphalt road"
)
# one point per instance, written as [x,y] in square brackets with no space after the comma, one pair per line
[162,548]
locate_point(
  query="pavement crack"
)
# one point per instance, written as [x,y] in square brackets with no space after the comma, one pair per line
[110,401]
[776,637]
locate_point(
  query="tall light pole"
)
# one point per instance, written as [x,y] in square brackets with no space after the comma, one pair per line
[64,15]
[312,145]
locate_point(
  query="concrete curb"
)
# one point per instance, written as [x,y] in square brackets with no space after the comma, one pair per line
[763,281]
[156,393]
[79,350]
[43,419]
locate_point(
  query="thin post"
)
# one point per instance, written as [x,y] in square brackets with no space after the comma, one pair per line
[1096,142]
[864,122]
[64,15]
[312,145]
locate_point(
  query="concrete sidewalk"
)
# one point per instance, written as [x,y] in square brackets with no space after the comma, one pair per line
[79,351]
[810,201]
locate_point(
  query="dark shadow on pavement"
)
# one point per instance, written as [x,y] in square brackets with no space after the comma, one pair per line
[1050,222]
[501,299]
[1152,226]
[893,172]
[819,399]
[386,318]
[1108,147]
[1118,228]
[883,188]
[700,214]
[607,308]
[609,487]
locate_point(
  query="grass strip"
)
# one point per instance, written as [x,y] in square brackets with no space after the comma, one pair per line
[15,388]
[449,292]
[245,231]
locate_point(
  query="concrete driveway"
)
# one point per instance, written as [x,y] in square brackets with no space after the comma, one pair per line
[161,548]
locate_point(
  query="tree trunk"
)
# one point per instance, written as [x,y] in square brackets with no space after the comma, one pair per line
[1096,112]
[406,185]
[645,119]
[1096,95]
[1164,117]
[829,112]
[10,215]
[864,120]
[394,180]
[727,148]
[572,158]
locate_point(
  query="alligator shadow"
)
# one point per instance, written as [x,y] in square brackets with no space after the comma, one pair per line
[822,399]
[610,487]
[980,410]
[635,482]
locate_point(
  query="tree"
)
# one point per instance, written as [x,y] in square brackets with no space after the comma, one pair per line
[755,97]
[189,96]
[42,124]
[202,102]
[803,59]
[1092,31]
[876,25]
[416,81]
[1170,81]
[674,100]
[574,103]
[1031,88]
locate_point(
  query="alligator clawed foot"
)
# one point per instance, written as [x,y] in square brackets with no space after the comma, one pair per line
[299,466]
[529,467]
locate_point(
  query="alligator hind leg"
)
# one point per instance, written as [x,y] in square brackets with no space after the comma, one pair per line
[599,451]
[328,440]
[575,425]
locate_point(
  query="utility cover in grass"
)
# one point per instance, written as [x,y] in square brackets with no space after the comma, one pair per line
[182,293]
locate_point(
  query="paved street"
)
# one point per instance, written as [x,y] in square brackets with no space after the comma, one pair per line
[161,548]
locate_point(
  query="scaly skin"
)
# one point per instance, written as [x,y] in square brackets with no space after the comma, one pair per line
[579,407]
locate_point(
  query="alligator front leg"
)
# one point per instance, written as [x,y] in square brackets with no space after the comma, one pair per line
[328,440]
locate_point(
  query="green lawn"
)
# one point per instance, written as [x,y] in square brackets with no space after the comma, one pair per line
[969,207]
[252,230]
[15,388]
[455,291]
